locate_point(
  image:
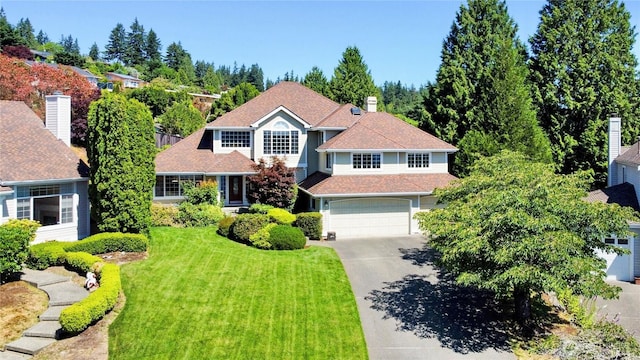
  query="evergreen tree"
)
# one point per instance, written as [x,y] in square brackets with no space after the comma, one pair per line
[42,38]
[136,45]
[121,151]
[25,32]
[584,70]
[116,47]
[69,44]
[352,81]
[316,81]
[255,76]
[152,46]
[174,56]
[8,36]
[94,52]
[481,101]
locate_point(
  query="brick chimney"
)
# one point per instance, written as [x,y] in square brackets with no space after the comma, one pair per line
[614,148]
[371,104]
[58,116]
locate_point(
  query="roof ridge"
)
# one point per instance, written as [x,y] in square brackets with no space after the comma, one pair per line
[380,132]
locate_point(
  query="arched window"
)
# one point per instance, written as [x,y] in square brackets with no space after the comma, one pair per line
[281,140]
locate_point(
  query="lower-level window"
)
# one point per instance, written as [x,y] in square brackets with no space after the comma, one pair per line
[171,185]
[45,204]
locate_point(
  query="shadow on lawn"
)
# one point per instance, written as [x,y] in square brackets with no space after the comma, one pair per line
[462,319]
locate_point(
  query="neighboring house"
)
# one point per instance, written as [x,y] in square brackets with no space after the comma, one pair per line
[41,178]
[129,82]
[623,189]
[367,172]
[93,79]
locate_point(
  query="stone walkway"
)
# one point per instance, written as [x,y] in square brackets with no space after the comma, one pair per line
[62,293]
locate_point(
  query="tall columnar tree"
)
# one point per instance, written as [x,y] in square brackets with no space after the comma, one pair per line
[584,70]
[481,101]
[135,44]
[117,45]
[516,228]
[352,81]
[316,81]
[121,151]
[94,52]
[42,37]
[153,47]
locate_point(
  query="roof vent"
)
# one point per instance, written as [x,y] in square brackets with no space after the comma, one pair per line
[356,111]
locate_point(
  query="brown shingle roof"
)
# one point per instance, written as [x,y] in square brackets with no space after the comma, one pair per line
[305,103]
[378,131]
[631,156]
[30,152]
[622,194]
[320,184]
[342,118]
[193,154]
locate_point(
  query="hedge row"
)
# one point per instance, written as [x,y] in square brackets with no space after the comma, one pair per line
[80,256]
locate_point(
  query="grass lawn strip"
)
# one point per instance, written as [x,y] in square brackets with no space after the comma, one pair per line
[199,295]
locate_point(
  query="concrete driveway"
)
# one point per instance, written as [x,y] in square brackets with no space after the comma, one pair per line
[625,310]
[409,311]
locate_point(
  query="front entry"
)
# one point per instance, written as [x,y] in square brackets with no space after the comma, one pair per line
[236,194]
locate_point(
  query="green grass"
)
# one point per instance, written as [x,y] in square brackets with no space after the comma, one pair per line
[202,296]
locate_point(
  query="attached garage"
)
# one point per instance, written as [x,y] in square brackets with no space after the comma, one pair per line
[619,267]
[369,217]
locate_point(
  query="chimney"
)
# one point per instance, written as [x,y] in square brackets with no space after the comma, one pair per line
[58,116]
[371,104]
[614,148]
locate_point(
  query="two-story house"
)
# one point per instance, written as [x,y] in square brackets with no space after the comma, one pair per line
[623,188]
[367,172]
[41,178]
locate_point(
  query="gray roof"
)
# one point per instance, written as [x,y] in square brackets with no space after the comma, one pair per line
[631,156]
[623,195]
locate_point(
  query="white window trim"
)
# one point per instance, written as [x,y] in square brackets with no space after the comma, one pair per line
[236,133]
[422,154]
[365,169]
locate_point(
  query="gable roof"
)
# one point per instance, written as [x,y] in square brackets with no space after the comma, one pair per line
[194,154]
[297,98]
[622,194]
[383,131]
[631,156]
[321,184]
[33,153]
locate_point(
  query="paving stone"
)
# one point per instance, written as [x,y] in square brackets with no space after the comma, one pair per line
[29,345]
[12,355]
[42,278]
[52,313]
[44,329]
[66,293]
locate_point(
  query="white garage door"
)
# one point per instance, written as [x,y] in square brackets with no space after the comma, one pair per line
[369,217]
[618,266]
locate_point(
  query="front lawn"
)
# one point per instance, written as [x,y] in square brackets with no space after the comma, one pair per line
[201,296]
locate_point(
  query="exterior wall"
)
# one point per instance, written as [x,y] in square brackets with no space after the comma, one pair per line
[313,157]
[392,163]
[83,209]
[218,149]
[630,174]
[293,160]
[636,250]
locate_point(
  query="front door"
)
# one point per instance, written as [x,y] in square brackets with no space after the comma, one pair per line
[235,189]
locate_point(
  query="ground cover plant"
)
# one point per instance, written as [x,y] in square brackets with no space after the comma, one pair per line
[201,296]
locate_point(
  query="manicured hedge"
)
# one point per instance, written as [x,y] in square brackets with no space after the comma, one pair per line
[110,242]
[310,223]
[224,226]
[247,225]
[43,255]
[281,216]
[81,315]
[261,238]
[285,237]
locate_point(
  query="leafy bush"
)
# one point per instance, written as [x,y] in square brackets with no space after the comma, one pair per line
[110,242]
[247,225]
[260,208]
[43,255]
[224,225]
[199,215]
[163,215]
[261,238]
[80,261]
[15,236]
[285,237]
[311,224]
[281,216]
[205,192]
[273,184]
[80,315]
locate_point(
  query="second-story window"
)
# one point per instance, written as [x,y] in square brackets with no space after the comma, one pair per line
[281,141]
[418,160]
[366,161]
[236,139]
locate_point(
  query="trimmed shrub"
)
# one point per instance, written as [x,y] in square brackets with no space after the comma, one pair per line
[261,238]
[311,224]
[199,215]
[80,261]
[224,225]
[43,255]
[81,315]
[260,208]
[281,216]
[285,237]
[205,192]
[110,242]
[15,236]
[247,225]
[164,215]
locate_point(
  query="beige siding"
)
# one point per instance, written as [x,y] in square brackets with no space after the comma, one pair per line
[218,149]
[293,160]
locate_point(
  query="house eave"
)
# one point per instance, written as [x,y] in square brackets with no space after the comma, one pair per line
[239,128]
[44,181]
[315,196]
[280,108]
[448,151]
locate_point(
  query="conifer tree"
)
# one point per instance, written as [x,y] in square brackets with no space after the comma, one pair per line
[116,47]
[583,69]
[352,81]
[316,81]
[25,32]
[94,52]
[152,46]
[136,44]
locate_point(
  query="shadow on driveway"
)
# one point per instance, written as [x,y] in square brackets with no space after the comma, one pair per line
[462,319]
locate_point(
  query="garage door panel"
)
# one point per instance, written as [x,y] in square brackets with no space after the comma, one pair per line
[369,217]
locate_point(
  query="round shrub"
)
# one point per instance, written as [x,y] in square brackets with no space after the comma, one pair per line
[44,255]
[261,238]
[224,225]
[285,237]
[199,215]
[163,215]
[281,216]
[15,236]
[247,225]
[310,223]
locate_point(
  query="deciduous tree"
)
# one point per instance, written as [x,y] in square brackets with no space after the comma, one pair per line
[181,118]
[121,151]
[232,99]
[516,228]
[274,184]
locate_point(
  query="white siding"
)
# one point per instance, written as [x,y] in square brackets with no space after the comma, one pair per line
[392,163]
[293,160]
[218,149]
[636,251]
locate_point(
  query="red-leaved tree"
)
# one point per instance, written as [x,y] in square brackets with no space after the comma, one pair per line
[274,184]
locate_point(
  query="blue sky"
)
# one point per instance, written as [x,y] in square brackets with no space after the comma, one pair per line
[399,40]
